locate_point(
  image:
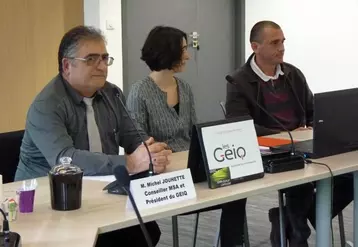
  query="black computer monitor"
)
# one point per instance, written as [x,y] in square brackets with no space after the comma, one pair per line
[335,122]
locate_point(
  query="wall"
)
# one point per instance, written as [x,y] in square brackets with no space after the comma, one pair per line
[102,14]
[315,30]
[107,15]
[321,37]
[30,34]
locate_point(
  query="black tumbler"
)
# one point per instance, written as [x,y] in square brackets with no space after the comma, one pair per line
[66,185]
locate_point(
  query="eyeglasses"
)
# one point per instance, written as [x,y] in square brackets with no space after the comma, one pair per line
[95,59]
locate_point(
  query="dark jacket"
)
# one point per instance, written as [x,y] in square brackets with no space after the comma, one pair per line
[243,95]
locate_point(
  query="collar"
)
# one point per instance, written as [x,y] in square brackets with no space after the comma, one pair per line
[74,94]
[261,74]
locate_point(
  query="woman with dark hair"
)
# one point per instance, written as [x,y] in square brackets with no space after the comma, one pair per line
[163,105]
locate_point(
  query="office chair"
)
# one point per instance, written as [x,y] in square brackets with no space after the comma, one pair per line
[222,104]
[342,235]
[10,143]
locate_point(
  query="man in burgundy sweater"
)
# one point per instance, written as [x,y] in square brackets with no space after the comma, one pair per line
[282,90]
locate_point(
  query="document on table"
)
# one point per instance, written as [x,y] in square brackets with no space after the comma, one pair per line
[108,178]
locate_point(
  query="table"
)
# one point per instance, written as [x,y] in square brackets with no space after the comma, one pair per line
[102,212]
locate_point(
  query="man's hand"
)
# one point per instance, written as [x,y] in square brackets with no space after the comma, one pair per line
[138,161]
[160,153]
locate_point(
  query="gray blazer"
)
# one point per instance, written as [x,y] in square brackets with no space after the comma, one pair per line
[148,104]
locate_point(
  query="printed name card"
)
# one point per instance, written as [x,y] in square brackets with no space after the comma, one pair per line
[162,189]
[232,153]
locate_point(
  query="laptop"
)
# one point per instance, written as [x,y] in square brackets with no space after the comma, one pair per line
[335,125]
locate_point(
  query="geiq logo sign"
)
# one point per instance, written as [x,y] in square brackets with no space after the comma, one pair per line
[228,153]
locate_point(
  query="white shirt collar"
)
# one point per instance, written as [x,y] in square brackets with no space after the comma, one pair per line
[261,74]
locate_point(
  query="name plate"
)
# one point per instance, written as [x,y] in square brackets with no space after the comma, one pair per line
[162,189]
[229,152]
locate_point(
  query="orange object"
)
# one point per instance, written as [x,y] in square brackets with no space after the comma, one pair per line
[272,142]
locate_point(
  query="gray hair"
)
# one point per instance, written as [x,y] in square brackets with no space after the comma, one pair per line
[71,40]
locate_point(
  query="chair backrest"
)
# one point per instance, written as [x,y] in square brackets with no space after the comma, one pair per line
[10,143]
[222,104]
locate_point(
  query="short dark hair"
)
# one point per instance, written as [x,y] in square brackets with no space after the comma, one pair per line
[71,40]
[256,31]
[163,48]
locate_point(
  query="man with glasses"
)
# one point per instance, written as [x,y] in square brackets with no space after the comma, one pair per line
[80,115]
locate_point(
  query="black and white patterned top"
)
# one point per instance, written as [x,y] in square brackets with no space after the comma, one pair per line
[148,104]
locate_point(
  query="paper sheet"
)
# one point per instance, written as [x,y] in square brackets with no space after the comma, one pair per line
[108,178]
